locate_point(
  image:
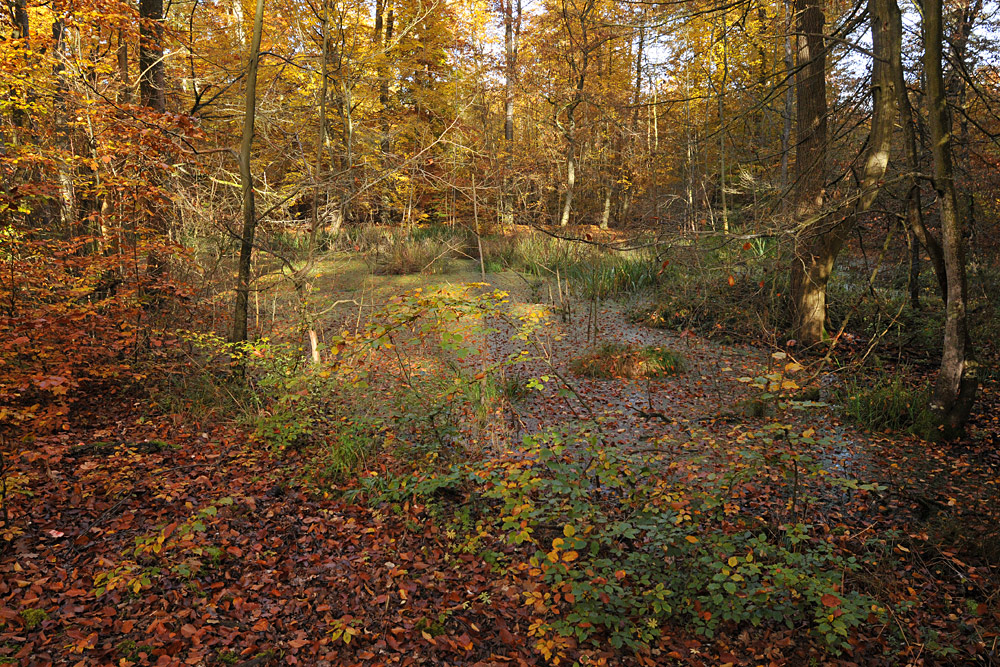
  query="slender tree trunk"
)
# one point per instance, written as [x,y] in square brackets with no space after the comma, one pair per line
[813,260]
[383,38]
[722,125]
[68,215]
[606,211]
[914,208]
[884,98]
[628,190]
[786,126]
[246,182]
[510,72]
[955,390]
[152,81]
[570,172]
[125,94]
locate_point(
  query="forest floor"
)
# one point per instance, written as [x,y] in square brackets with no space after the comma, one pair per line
[150,537]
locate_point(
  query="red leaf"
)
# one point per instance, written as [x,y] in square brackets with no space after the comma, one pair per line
[830,600]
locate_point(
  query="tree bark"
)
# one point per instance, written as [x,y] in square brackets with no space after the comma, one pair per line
[246,183]
[814,249]
[567,208]
[955,389]
[382,38]
[125,93]
[152,81]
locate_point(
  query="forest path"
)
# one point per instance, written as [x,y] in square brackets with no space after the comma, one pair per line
[680,416]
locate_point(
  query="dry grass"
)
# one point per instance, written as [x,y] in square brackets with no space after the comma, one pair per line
[619,360]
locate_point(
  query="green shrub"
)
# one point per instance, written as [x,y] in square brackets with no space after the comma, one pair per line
[619,549]
[889,404]
[613,360]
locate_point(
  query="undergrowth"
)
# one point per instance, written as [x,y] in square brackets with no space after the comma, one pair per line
[590,271]
[889,403]
[617,547]
[616,360]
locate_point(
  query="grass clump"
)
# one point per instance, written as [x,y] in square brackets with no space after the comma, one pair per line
[615,360]
[589,270]
[406,256]
[889,404]
[343,453]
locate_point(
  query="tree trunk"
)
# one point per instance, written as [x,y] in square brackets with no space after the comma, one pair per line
[246,182]
[382,38]
[570,177]
[606,211]
[914,209]
[152,79]
[125,94]
[510,71]
[21,20]
[786,126]
[722,125]
[956,385]
[814,250]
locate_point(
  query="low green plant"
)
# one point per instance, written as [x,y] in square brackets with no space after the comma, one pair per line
[493,390]
[618,549]
[607,274]
[228,657]
[130,650]
[33,618]
[889,403]
[612,360]
[590,271]
[343,452]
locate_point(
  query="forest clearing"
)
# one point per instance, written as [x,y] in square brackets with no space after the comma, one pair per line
[583,332]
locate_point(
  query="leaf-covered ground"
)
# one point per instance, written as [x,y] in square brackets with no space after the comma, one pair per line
[144,538]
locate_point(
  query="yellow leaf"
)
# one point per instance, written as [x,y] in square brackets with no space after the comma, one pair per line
[808,433]
[733,561]
[136,586]
[569,531]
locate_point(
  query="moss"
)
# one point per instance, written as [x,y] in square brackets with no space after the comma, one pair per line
[33,618]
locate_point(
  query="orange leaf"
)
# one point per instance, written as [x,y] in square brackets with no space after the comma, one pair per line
[830,600]
[732,281]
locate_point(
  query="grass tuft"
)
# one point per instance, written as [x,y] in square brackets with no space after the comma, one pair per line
[617,360]
[889,404]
